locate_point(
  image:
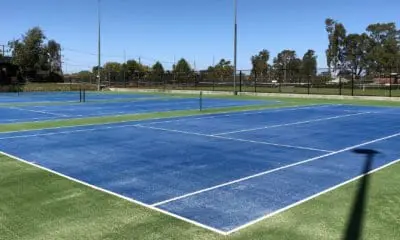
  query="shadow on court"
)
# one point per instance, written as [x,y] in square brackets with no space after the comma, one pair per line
[356,219]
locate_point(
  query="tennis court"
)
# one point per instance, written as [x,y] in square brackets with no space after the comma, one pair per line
[143,104]
[223,172]
[67,96]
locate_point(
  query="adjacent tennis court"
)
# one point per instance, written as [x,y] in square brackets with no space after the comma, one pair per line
[142,104]
[223,172]
[67,96]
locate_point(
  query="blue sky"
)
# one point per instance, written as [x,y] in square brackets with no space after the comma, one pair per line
[199,31]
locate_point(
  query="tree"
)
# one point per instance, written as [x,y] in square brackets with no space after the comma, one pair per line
[182,67]
[287,63]
[383,53]
[335,53]
[223,69]
[158,68]
[29,53]
[259,63]
[54,53]
[85,76]
[133,66]
[309,64]
[33,55]
[356,52]
[112,67]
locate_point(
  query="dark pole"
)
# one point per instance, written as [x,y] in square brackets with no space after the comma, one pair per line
[240,81]
[392,76]
[340,85]
[235,48]
[213,83]
[99,46]
[352,84]
[255,82]
[201,101]
[308,85]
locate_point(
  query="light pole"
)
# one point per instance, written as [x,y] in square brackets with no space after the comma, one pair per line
[235,47]
[99,45]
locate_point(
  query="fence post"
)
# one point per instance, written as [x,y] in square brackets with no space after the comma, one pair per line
[340,85]
[240,81]
[280,86]
[392,75]
[255,82]
[124,78]
[352,84]
[308,85]
[213,84]
[137,80]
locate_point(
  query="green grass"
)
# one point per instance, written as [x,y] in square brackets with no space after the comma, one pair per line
[35,204]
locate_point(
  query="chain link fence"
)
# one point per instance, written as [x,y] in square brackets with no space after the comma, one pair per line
[293,81]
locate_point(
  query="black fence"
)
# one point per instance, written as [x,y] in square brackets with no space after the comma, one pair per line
[324,82]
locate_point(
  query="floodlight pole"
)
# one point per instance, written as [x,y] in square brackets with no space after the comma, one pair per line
[235,47]
[99,46]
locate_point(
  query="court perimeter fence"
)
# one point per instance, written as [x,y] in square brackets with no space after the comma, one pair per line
[323,82]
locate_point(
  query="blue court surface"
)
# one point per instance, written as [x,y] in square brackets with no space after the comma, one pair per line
[221,171]
[81,110]
[70,96]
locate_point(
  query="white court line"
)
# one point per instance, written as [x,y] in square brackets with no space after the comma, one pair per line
[248,112]
[272,170]
[291,124]
[310,198]
[6,121]
[274,144]
[116,194]
[232,139]
[36,111]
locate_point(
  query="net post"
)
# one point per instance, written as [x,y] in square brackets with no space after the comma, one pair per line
[201,101]
[240,81]
[80,94]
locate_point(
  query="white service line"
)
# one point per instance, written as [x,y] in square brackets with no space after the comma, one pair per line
[116,194]
[245,112]
[232,139]
[273,144]
[36,111]
[273,170]
[291,124]
[310,198]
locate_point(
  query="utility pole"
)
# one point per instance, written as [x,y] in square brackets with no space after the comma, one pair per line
[235,47]
[99,46]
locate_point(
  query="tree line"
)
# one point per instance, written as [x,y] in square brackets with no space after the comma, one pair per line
[375,51]
[36,57]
